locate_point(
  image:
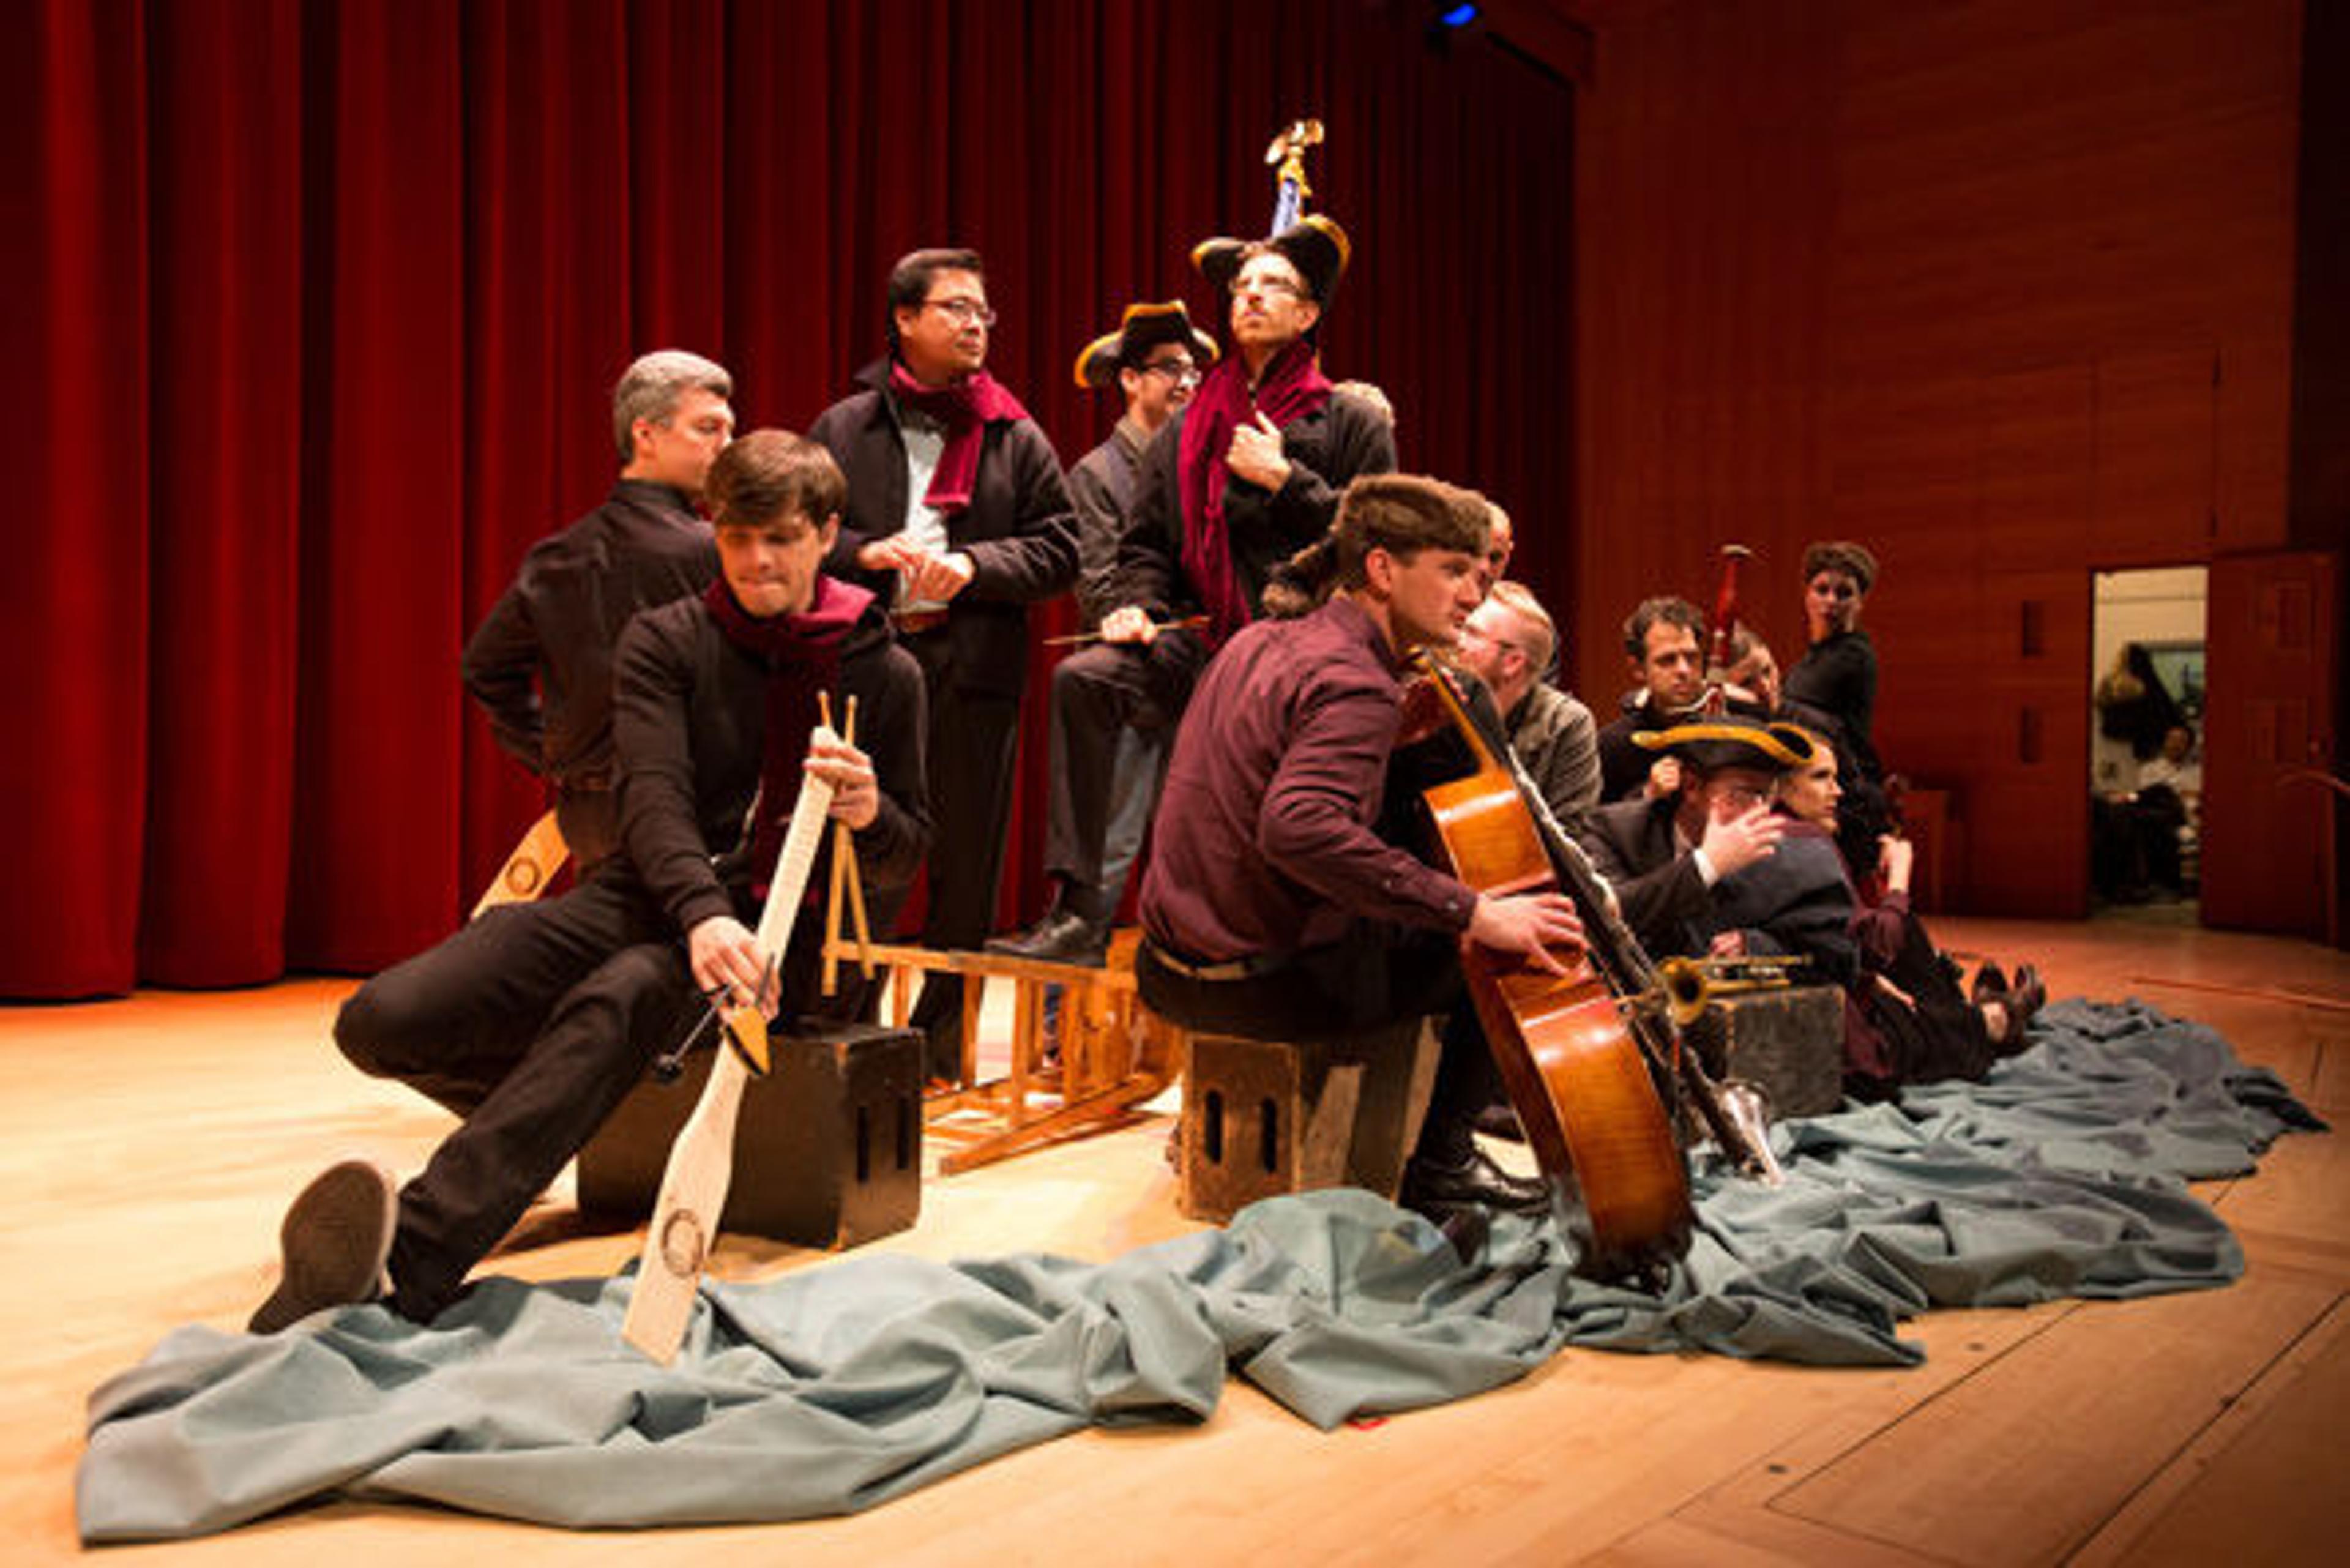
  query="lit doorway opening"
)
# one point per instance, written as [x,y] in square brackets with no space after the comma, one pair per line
[2146,746]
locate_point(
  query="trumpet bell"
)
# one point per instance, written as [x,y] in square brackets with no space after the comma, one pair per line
[1748,1109]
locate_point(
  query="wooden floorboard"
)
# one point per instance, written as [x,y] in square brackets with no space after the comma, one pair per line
[148,1146]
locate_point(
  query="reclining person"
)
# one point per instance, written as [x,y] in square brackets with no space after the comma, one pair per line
[1915,1023]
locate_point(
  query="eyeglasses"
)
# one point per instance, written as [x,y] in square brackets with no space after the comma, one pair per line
[1267,286]
[965,312]
[1180,372]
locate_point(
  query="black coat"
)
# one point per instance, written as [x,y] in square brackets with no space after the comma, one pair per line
[540,663]
[1018,530]
[689,720]
[1327,448]
[1795,900]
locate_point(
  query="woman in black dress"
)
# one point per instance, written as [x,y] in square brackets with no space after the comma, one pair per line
[1832,688]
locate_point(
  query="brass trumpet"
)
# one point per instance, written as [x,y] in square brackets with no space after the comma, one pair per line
[1684,985]
[1737,1113]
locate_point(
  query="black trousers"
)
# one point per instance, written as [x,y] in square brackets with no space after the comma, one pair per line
[1099,694]
[531,1024]
[973,737]
[1375,977]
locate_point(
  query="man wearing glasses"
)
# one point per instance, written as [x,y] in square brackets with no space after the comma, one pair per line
[1115,703]
[958,516]
[1712,867]
[1508,644]
[1252,471]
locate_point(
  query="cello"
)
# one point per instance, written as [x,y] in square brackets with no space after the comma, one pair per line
[1581,1053]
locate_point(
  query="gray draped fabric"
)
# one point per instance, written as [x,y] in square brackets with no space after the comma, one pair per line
[840,1387]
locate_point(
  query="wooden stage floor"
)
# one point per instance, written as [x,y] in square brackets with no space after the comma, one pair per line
[148,1147]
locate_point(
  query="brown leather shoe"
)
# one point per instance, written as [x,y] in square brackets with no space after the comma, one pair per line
[335,1237]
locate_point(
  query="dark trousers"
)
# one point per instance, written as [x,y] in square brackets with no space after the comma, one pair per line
[1375,977]
[531,1024]
[973,738]
[1101,695]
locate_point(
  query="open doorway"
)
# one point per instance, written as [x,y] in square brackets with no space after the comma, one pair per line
[2146,746]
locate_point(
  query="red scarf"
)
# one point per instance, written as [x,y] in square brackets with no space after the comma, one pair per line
[802,656]
[966,408]
[1292,386]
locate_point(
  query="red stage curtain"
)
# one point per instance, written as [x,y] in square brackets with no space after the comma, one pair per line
[320,305]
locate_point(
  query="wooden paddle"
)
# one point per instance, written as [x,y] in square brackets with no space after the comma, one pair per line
[702,1160]
[531,867]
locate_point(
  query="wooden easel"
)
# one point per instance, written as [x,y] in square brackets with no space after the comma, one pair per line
[1114,1054]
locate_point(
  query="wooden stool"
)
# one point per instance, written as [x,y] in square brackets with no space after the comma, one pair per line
[1788,1042]
[827,1149]
[1262,1116]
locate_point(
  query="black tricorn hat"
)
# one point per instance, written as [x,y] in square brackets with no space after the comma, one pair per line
[1733,744]
[1315,245]
[1142,329]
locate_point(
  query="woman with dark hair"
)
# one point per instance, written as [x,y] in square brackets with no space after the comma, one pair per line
[1908,994]
[1833,687]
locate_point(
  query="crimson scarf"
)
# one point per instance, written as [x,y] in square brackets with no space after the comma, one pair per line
[802,656]
[1292,386]
[966,408]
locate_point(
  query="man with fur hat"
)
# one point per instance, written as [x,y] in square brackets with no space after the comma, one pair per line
[1115,703]
[1273,908]
[1712,867]
[1252,471]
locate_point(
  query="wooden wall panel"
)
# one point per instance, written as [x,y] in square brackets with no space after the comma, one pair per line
[2003,288]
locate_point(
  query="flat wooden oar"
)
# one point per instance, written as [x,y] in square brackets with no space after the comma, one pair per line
[701,1162]
[529,870]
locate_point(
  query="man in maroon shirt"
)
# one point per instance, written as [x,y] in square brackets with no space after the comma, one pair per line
[1272,907]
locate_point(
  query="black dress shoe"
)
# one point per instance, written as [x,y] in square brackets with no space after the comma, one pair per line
[1989,985]
[1062,936]
[1433,1190]
[2029,995]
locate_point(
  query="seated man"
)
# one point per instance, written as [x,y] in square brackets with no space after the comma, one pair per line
[1711,867]
[1508,644]
[1114,703]
[533,1021]
[1751,684]
[1272,910]
[1665,639]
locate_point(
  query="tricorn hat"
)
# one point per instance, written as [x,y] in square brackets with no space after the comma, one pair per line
[1314,245]
[1733,744]
[1142,329]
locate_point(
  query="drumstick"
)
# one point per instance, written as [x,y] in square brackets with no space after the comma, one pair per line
[1189,623]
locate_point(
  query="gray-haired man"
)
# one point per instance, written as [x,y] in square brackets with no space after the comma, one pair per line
[541,663]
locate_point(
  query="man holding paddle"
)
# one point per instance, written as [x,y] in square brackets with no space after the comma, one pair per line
[534,1021]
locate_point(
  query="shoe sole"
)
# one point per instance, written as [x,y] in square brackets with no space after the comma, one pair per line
[334,1241]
